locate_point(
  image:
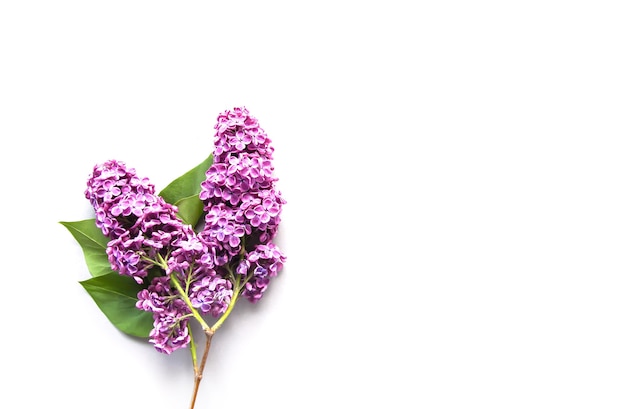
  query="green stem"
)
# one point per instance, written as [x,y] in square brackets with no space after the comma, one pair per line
[192,348]
[230,307]
[163,264]
[187,301]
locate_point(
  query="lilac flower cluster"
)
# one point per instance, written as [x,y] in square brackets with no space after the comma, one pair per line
[234,253]
[241,201]
[171,315]
[263,263]
[118,197]
[142,228]
[139,223]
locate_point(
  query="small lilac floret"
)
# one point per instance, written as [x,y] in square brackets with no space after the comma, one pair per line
[171,315]
[266,260]
[212,295]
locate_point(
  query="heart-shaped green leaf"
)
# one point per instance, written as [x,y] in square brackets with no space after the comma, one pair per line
[116,296]
[93,244]
[183,192]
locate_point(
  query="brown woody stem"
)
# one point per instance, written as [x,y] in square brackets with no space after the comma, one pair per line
[198,371]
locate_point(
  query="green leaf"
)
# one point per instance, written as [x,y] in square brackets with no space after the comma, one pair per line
[93,244]
[188,184]
[183,192]
[116,296]
[190,209]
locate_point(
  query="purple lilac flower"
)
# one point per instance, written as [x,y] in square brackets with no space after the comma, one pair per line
[190,255]
[143,230]
[263,211]
[152,234]
[189,260]
[242,208]
[263,263]
[241,201]
[211,294]
[170,313]
[117,194]
[192,260]
[222,227]
[139,223]
[127,256]
[170,332]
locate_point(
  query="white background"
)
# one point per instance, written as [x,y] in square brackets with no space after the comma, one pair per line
[454,171]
